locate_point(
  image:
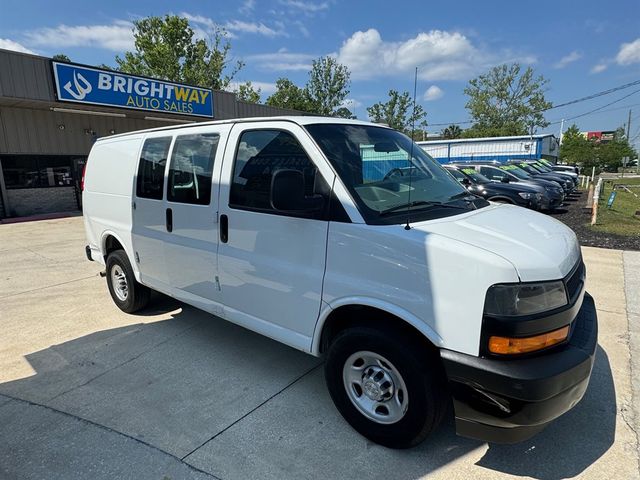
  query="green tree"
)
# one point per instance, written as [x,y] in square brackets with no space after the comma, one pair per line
[576,149]
[344,112]
[398,112]
[610,154]
[452,131]
[591,153]
[328,86]
[506,101]
[61,57]
[247,93]
[165,47]
[289,95]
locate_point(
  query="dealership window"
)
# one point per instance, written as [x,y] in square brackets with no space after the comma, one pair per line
[33,171]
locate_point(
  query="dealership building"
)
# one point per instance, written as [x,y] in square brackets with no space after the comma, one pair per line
[493,148]
[52,112]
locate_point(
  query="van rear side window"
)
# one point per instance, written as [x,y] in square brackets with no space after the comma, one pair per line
[191,168]
[153,159]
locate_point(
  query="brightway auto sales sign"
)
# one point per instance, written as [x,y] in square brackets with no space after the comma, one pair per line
[79,84]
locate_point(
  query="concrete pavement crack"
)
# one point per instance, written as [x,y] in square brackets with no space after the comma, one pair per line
[294,381]
[111,430]
[181,332]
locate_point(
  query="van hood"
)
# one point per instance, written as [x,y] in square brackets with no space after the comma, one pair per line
[538,246]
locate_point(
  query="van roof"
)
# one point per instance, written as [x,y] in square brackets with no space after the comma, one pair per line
[300,120]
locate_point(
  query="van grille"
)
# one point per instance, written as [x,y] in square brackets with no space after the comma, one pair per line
[575,281]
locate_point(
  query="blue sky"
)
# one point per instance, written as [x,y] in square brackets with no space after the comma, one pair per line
[582,48]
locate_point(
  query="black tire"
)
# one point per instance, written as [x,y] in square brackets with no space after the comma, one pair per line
[138,295]
[420,370]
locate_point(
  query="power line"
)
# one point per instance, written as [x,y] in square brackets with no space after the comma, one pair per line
[597,109]
[560,105]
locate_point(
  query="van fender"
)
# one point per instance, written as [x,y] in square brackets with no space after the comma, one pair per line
[125,245]
[392,309]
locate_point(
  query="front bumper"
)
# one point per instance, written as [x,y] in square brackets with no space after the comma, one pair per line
[508,401]
[551,203]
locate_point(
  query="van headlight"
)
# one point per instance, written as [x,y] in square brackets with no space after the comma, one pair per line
[526,195]
[524,298]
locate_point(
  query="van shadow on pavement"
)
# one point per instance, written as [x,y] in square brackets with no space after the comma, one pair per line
[234,403]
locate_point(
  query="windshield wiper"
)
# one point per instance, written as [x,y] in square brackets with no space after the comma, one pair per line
[419,203]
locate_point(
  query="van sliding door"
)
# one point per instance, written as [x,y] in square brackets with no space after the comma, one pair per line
[191,203]
[149,218]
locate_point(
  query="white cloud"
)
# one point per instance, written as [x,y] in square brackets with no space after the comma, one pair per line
[233,26]
[629,53]
[438,54]
[309,8]
[253,27]
[7,44]
[282,60]
[266,88]
[567,59]
[433,93]
[247,7]
[351,103]
[599,68]
[117,37]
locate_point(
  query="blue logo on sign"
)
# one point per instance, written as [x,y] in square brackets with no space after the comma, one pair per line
[102,87]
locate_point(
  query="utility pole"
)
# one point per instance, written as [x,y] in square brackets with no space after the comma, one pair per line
[561,130]
[624,164]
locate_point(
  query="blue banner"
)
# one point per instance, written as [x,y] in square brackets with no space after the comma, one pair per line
[79,84]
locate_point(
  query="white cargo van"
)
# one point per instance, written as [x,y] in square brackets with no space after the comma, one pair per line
[344,239]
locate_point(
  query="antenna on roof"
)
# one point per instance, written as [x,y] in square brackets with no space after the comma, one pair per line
[410,159]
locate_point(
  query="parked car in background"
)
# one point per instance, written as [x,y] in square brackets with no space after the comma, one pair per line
[561,168]
[529,196]
[568,174]
[532,169]
[498,172]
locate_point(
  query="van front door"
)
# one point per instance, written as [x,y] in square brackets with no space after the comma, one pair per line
[271,264]
[192,198]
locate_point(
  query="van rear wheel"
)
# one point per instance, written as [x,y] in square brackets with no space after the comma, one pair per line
[129,295]
[387,387]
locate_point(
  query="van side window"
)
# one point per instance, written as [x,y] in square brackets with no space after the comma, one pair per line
[191,168]
[260,153]
[153,159]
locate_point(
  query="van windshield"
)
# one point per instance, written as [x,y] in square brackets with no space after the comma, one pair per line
[385,172]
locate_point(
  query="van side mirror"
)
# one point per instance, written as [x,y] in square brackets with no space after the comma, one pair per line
[466,182]
[287,194]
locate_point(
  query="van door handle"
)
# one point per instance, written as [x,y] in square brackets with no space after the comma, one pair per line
[224,228]
[169,214]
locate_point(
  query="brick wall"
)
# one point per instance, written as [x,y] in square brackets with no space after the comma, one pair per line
[34,201]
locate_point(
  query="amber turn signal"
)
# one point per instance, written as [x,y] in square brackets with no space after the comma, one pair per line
[512,346]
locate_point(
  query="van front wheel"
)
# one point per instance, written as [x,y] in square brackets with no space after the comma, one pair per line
[387,388]
[129,295]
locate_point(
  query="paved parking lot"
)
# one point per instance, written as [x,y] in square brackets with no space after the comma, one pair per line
[87,391]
